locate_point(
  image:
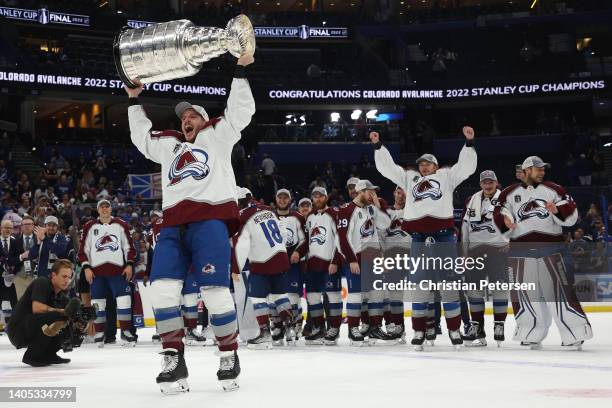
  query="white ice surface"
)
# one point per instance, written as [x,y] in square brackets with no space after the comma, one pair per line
[324,376]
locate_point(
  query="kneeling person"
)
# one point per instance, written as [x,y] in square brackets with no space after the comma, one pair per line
[40,316]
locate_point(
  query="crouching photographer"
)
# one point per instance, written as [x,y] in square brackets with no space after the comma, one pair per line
[46,320]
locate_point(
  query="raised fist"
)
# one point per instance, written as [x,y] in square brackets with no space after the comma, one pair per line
[468,132]
[374,137]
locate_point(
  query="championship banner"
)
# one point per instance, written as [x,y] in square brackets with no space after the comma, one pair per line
[45,16]
[148,186]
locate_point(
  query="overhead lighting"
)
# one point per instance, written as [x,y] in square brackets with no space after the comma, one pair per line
[533,4]
[289,115]
[119,12]
[288,122]
[372,114]
[335,116]
[609,144]
[356,114]
[324,22]
[303,118]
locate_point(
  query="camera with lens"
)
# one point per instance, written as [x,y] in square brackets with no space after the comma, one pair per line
[75,331]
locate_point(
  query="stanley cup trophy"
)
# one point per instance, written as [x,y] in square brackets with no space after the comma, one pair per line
[177,49]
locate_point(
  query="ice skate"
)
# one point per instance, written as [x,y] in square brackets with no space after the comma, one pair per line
[498,333]
[331,337]
[229,369]
[316,337]
[155,338]
[376,333]
[290,334]
[278,335]
[431,335]
[476,336]
[456,340]
[193,338]
[128,339]
[173,377]
[418,340]
[261,342]
[533,345]
[577,346]
[398,333]
[355,337]
[364,329]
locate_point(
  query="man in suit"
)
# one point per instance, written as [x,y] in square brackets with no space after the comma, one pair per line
[9,263]
[25,241]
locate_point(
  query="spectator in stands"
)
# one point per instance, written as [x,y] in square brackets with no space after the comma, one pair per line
[41,190]
[63,186]
[49,173]
[25,242]
[58,161]
[599,169]
[23,187]
[25,207]
[580,249]
[584,169]
[51,245]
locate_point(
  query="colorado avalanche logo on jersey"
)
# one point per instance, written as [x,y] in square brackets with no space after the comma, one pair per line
[318,235]
[486,224]
[189,163]
[290,237]
[395,229]
[107,241]
[533,208]
[427,189]
[367,229]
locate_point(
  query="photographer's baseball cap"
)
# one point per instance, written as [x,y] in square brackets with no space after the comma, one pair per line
[283,191]
[183,106]
[427,157]
[534,161]
[50,219]
[305,201]
[319,190]
[488,175]
[103,202]
[352,180]
[365,185]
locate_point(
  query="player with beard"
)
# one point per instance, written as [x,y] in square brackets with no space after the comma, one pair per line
[295,242]
[358,224]
[535,212]
[480,237]
[322,270]
[200,214]
[396,241]
[428,217]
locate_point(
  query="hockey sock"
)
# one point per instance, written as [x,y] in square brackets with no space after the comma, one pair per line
[222,316]
[500,309]
[189,309]
[100,321]
[452,314]
[260,306]
[477,309]
[419,316]
[353,309]
[124,312]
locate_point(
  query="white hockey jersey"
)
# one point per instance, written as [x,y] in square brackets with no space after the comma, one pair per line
[322,240]
[198,181]
[358,229]
[293,225]
[526,207]
[107,248]
[477,226]
[394,236]
[261,241]
[429,199]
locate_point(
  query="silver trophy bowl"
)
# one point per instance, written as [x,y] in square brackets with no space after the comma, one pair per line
[177,49]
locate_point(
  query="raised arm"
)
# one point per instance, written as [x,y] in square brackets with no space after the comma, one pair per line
[385,164]
[466,165]
[140,127]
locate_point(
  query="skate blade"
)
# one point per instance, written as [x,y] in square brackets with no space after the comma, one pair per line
[173,388]
[431,343]
[230,385]
[476,343]
[291,342]
[573,347]
[195,343]
[535,346]
[278,343]
[499,343]
[356,343]
[128,344]
[260,346]
[418,347]
[401,341]
[331,342]
[100,344]
[314,342]
[458,347]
